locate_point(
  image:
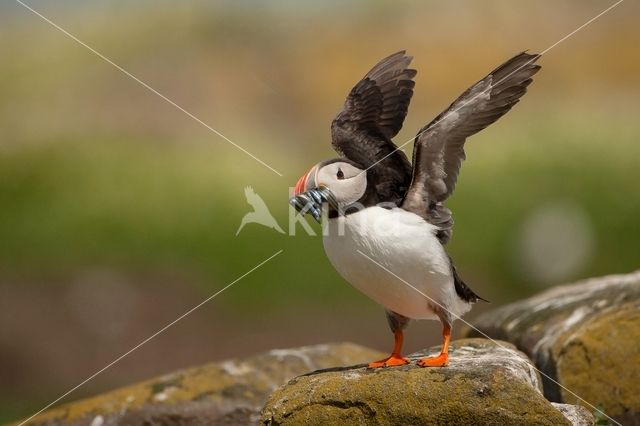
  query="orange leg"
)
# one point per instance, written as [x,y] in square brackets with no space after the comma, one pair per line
[442,359]
[395,358]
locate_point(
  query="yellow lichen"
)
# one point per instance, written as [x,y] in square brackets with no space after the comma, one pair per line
[598,361]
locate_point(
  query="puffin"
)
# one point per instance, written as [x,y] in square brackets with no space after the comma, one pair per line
[385,225]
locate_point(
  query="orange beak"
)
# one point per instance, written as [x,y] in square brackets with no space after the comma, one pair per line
[309,198]
[301,185]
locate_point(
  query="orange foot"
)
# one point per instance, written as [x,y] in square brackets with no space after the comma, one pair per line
[434,361]
[391,361]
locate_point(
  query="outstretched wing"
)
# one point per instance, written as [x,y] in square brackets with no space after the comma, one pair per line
[372,114]
[439,146]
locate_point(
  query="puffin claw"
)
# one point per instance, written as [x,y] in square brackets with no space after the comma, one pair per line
[434,361]
[391,361]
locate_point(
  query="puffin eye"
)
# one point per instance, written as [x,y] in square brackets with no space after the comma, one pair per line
[340,174]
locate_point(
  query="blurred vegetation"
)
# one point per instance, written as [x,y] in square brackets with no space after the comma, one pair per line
[96,170]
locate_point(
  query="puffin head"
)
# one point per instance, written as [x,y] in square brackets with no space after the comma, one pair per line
[338,182]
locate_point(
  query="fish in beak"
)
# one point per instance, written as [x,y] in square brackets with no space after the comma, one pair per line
[309,198]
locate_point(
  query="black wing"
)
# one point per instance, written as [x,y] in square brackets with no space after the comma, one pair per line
[439,146]
[372,114]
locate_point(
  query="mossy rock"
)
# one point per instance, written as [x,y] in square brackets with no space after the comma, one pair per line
[229,392]
[486,383]
[583,336]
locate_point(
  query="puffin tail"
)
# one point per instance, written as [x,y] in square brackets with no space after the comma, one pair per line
[462,289]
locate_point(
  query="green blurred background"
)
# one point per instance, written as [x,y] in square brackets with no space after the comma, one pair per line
[118,212]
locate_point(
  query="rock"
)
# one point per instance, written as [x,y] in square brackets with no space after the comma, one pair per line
[230,392]
[576,414]
[486,383]
[584,336]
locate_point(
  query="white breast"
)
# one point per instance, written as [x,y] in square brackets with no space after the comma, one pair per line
[406,245]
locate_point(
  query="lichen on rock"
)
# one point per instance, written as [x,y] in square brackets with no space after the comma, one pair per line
[576,414]
[486,383]
[583,336]
[229,392]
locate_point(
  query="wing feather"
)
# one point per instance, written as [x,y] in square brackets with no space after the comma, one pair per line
[439,146]
[373,113]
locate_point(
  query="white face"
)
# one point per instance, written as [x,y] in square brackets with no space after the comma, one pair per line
[346,182]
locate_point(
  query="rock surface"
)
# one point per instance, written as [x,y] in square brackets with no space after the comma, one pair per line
[584,336]
[230,392]
[576,414]
[485,384]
